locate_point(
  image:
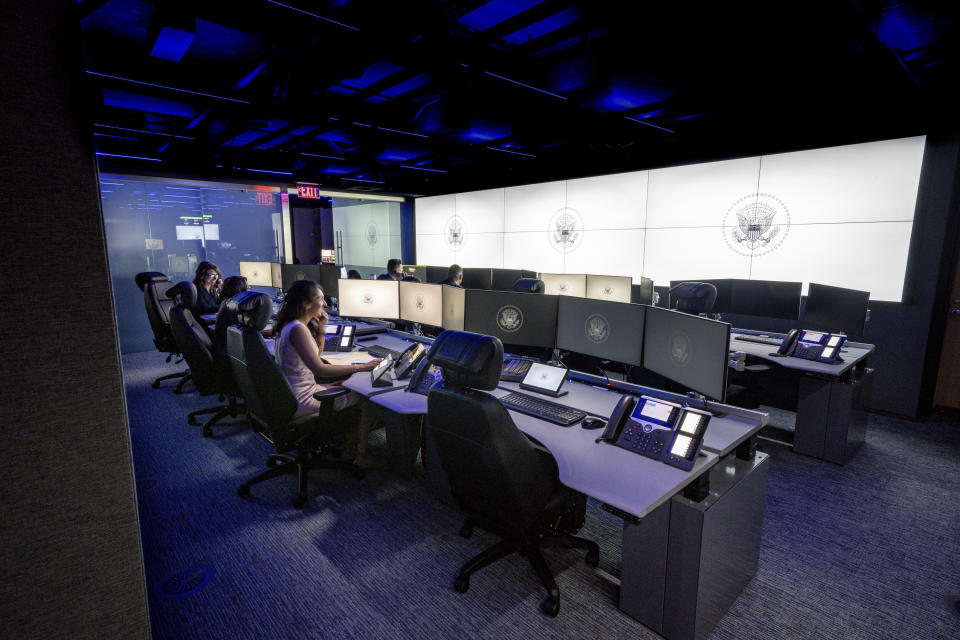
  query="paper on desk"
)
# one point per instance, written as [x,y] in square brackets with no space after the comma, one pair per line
[348,357]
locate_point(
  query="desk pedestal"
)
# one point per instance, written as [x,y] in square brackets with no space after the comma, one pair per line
[832,416]
[686,562]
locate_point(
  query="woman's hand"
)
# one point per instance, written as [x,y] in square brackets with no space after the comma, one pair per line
[368,366]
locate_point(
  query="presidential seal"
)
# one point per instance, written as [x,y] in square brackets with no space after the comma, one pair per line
[756,224]
[454,233]
[681,348]
[373,234]
[607,290]
[565,230]
[420,303]
[596,328]
[367,297]
[509,318]
[301,275]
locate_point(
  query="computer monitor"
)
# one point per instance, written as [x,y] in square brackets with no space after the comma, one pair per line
[329,280]
[454,300]
[276,275]
[836,309]
[770,298]
[690,350]
[293,272]
[503,279]
[415,270]
[477,278]
[528,319]
[722,304]
[258,274]
[564,284]
[642,293]
[602,329]
[436,274]
[369,298]
[421,302]
[611,288]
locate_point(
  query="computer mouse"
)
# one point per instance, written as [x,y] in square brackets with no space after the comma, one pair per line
[593,423]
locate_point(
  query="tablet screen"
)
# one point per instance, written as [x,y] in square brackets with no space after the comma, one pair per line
[544,376]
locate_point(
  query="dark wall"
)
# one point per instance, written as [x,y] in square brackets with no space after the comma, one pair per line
[70,565]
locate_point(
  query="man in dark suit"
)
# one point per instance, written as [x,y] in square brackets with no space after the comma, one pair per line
[454,276]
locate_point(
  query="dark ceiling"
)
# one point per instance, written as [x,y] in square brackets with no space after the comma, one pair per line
[427,97]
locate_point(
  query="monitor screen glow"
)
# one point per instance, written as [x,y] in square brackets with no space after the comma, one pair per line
[258,274]
[370,298]
[613,288]
[421,302]
[453,307]
[565,284]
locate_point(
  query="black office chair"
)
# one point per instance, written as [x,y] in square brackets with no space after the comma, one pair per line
[528,285]
[410,279]
[496,475]
[271,404]
[198,352]
[693,297]
[384,276]
[155,286]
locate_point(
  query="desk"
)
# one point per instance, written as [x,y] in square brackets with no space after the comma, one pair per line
[831,399]
[690,540]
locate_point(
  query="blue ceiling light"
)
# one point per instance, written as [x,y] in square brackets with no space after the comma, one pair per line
[569,42]
[406,85]
[302,131]
[107,135]
[527,86]
[338,90]
[245,138]
[278,173]
[117,155]
[137,102]
[486,130]
[172,44]
[269,144]
[494,12]
[155,133]
[163,86]
[337,135]
[409,166]
[692,115]
[406,133]
[247,79]
[375,99]
[649,124]
[401,154]
[197,120]
[543,27]
[313,15]
[516,153]
[374,73]
[624,94]
[364,180]
[337,170]
[318,155]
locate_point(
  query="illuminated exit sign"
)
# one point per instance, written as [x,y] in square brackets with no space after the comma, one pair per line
[264,197]
[306,190]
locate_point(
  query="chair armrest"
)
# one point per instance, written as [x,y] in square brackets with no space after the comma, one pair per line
[332,392]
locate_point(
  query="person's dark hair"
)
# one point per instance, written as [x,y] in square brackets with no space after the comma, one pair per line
[353,274]
[394,266]
[232,286]
[454,271]
[202,269]
[295,302]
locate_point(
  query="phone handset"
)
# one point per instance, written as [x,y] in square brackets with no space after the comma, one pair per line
[789,343]
[615,423]
[408,360]
[418,374]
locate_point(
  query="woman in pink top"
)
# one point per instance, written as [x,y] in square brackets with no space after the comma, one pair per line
[299,329]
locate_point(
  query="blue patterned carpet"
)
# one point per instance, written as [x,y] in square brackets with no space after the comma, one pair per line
[867,550]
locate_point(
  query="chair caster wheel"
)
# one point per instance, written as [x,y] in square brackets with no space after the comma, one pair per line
[466,531]
[592,558]
[207,432]
[192,421]
[243,491]
[299,501]
[460,585]
[551,606]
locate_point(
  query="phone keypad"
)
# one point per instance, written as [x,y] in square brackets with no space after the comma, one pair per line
[645,439]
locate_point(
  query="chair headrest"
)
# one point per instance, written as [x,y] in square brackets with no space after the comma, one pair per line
[410,279]
[253,309]
[183,293]
[528,285]
[149,276]
[695,296]
[468,359]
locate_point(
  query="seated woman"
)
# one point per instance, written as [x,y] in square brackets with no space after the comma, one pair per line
[221,361]
[299,330]
[208,280]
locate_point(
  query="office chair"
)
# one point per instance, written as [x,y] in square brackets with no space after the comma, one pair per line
[528,285]
[271,404]
[410,279]
[155,286]
[502,483]
[198,352]
[384,276]
[693,297]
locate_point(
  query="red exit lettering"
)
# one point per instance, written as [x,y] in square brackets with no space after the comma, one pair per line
[264,197]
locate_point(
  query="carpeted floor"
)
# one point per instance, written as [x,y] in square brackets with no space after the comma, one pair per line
[867,550]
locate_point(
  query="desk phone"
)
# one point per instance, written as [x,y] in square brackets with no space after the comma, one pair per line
[339,337]
[425,377]
[409,359]
[515,368]
[812,345]
[657,429]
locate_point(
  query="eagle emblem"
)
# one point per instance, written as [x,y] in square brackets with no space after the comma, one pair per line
[373,234]
[367,297]
[455,233]
[565,230]
[681,348]
[608,290]
[420,303]
[509,318]
[597,328]
[762,222]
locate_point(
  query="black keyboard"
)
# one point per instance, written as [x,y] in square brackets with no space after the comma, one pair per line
[543,409]
[514,369]
[760,339]
[382,352]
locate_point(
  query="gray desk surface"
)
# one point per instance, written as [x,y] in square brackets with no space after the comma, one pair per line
[851,353]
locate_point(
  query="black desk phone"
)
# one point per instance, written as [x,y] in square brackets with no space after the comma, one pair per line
[812,345]
[408,360]
[425,376]
[657,429]
[378,376]
[515,367]
[339,337]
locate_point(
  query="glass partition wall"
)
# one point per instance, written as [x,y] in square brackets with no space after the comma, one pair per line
[367,234]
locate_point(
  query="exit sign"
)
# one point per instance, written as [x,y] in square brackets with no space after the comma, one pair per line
[308,190]
[264,197]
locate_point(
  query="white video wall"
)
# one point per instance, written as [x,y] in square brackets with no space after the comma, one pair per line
[840,216]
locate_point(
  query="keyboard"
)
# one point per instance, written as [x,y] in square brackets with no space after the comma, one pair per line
[760,339]
[514,369]
[382,352]
[543,409]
